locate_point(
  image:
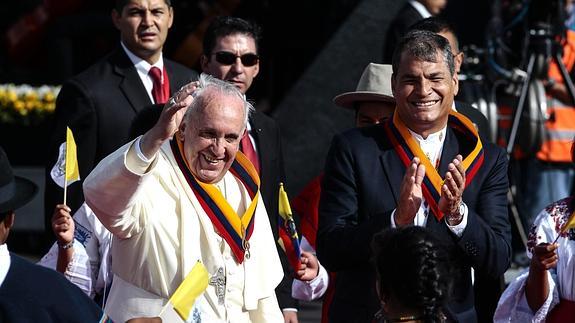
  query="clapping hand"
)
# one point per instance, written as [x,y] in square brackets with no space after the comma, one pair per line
[452,188]
[411,193]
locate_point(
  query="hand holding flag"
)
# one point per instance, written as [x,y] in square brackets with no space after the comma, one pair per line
[288,240]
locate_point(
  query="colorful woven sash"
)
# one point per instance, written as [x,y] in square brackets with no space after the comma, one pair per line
[407,147]
[234,229]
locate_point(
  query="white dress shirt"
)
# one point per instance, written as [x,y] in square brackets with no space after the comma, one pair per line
[420,8]
[143,69]
[4,262]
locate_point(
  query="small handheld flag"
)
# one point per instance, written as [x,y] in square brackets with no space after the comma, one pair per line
[288,237]
[570,224]
[65,171]
[185,295]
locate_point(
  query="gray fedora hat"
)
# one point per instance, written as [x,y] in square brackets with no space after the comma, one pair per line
[14,191]
[374,85]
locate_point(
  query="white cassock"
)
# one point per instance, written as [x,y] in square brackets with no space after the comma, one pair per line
[161,230]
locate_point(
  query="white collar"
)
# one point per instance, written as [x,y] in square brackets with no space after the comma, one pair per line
[432,146]
[4,262]
[436,137]
[141,64]
[420,8]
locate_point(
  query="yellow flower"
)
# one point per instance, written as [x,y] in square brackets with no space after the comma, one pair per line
[25,104]
[11,95]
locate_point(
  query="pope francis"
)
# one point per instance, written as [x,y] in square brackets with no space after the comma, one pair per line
[183,193]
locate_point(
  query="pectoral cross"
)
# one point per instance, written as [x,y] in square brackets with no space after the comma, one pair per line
[219,282]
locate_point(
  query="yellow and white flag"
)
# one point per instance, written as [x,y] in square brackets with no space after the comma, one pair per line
[570,224]
[65,171]
[183,299]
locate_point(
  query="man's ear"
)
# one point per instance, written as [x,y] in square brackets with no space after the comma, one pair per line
[455,79]
[171,16]
[8,221]
[116,16]
[459,61]
[180,132]
[204,60]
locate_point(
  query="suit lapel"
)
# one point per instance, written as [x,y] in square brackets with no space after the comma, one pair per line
[130,83]
[175,78]
[262,143]
[392,166]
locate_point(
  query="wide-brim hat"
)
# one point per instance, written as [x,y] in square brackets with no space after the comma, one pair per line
[15,191]
[374,85]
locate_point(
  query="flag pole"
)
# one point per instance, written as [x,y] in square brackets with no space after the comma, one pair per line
[65,187]
[164,309]
[558,236]
[570,223]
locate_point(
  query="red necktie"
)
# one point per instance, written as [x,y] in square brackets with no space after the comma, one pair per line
[250,152]
[157,90]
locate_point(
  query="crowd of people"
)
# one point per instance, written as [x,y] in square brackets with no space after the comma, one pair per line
[409,218]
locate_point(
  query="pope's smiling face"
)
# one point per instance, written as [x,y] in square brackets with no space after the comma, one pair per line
[424,92]
[212,135]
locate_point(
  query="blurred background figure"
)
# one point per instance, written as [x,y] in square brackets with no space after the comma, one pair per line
[543,171]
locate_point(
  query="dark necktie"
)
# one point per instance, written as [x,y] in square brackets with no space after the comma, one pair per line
[250,152]
[158,89]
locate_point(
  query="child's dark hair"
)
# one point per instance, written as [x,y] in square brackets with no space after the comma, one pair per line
[413,269]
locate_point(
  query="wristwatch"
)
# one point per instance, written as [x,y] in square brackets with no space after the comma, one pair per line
[458,215]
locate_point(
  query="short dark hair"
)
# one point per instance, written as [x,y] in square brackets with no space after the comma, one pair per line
[223,26]
[435,25]
[120,4]
[423,45]
[413,268]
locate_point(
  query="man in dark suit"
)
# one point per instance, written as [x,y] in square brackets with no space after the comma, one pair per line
[28,292]
[231,54]
[425,166]
[99,104]
[410,13]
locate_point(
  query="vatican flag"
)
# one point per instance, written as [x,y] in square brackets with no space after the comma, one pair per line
[65,171]
[183,299]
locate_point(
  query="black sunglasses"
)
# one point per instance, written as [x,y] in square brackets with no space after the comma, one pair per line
[227,58]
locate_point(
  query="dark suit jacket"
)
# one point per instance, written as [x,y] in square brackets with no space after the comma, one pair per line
[406,17]
[31,293]
[99,105]
[476,117]
[360,190]
[267,137]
